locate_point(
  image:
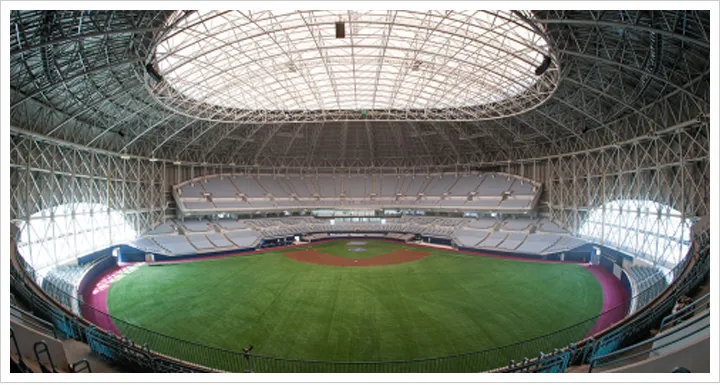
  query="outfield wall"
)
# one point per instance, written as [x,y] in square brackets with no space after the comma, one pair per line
[139,255]
[91,275]
[569,256]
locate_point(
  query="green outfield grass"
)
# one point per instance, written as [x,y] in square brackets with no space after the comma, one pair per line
[446,303]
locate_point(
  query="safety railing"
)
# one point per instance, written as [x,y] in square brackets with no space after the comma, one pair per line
[21,316]
[620,356]
[642,322]
[20,363]
[557,362]
[81,366]
[147,350]
[700,304]
[40,348]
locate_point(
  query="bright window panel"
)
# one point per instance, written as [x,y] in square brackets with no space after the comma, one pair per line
[70,231]
[647,229]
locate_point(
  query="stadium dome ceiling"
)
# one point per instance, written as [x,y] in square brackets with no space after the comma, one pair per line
[280,89]
[473,64]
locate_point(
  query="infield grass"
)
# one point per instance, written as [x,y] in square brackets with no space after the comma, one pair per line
[371,248]
[447,303]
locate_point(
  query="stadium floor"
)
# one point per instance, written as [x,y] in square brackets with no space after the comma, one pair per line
[613,295]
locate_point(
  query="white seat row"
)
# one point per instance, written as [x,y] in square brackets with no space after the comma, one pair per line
[233,192]
[523,235]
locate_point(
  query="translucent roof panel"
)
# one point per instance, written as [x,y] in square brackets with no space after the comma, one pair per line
[387,60]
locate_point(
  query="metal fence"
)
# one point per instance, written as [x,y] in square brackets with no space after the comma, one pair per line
[143,345]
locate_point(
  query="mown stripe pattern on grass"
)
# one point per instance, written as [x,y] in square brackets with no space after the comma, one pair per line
[447,303]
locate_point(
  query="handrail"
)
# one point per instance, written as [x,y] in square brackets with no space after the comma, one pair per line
[593,362]
[20,362]
[672,319]
[40,323]
[81,365]
[680,369]
[686,265]
[44,349]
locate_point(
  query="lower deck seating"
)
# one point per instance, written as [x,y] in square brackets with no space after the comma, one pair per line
[483,223]
[565,243]
[492,240]
[231,224]
[517,234]
[200,241]
[245,238]
[148,245]
[164,228]
[219,240]
[62,281]
[512,241]
[548,226]
[196,226]
[649,282]
[176,244]
[537,243]
[470,237]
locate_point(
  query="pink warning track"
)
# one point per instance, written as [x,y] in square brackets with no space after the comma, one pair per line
[615,299]
[95,297]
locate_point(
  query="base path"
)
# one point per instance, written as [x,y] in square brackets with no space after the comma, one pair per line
[394,258]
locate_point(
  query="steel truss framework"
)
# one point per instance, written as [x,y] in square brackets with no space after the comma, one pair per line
[670,169]
[649,230]
[80,76]
[67,186]
[394,65]
[629,120]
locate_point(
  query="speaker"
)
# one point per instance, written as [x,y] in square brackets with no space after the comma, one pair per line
[153,73]
[340,30]
[543,66]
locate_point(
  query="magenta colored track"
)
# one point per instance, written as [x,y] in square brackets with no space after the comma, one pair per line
[615,299]
[95,298]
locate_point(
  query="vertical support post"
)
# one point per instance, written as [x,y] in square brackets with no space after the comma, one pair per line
[164,189]
[109,201]
[28,210]
[602,177]
[683,206]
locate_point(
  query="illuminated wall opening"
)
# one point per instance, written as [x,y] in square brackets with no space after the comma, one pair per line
[69,231]
[647,229]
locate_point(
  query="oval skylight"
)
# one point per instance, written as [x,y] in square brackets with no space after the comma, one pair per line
[474,64]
